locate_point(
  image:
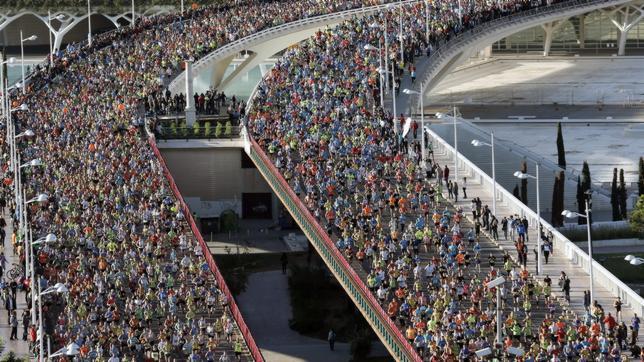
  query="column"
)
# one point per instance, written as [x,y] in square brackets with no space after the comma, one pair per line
[549,29]
[624,18]
[191,113]
[582,31]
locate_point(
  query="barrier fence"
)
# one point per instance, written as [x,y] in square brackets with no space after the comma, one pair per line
[243,328]
[575,255]
[382,324]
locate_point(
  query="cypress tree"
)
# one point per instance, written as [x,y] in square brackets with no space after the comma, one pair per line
[581,206]
[614,197]
[554,218]
[561,189]
[640,180]
[622,195]
[561,152]
[558,200]
[524,183]
[586,187]
[515,192]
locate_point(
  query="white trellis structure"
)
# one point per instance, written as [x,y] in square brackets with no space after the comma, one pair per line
[71,18]
[624,18]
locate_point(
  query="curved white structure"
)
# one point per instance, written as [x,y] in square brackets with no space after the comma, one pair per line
[264,44]
[72,19]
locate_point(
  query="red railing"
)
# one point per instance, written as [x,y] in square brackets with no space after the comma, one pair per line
[243,328]
[321,234]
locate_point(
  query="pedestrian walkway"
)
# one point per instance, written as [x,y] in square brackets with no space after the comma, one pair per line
[579,280]
[19,347]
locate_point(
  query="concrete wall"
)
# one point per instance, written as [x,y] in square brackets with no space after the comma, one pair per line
[214,174]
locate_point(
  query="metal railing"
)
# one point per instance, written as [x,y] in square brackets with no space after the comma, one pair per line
[388,332]
[221,282]
[171,133]
[575,255]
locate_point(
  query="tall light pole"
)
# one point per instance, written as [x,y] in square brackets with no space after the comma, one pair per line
[182,7]
[400,32]
[28,247]
[89,23]
[379,49]
[422,123]
[571,214]
[22,58]
[59,17]
[455,144]
[427,22]
[59,288]
[523,176]
[133,16]
[477,143]
[496,283]
[4,90]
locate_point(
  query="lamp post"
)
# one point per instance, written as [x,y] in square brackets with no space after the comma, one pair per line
[455,144]
[380,84]
[22,57]
[570,214]
[71,349]
[89,23]
[59,17]
[400,32]
[633,260]
[58,288]
[477,143]
[50,238]
[133,16]
[422,122]
[29,249]
[3,89]
[496,283]
[523,176]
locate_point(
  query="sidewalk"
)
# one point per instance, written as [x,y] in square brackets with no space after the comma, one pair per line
[19,347]
[578,277]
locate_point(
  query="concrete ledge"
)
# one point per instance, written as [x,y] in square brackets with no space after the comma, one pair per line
[202,143]
[612,243]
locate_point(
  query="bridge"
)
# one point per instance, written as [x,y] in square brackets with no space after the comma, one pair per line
[448,56]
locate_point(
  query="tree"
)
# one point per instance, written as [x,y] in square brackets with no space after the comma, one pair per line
[640,181]
[561,152]
[622,195]
[558,200]
[580,202]
[637,217]
[515,192]
[524,183]
[583,191]
[614,192]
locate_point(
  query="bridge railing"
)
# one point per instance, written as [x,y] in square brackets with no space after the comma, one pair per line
[563,245]
[221,283]
[389,333]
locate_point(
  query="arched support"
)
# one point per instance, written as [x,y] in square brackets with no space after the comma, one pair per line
[259,55]
[624,18]
[219,70]
[550,28]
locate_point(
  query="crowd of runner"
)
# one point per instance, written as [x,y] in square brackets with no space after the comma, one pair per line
[139,286]
[318,117]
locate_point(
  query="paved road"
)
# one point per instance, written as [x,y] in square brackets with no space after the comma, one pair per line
[266,308]
[19,347]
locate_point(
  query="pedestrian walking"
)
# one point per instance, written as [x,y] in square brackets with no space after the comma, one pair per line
[13,323]
[464,186]
[284,261]
[331,339]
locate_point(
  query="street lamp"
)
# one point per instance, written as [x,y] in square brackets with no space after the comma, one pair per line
[71,349]
[5,96]
[633,260]
[370,47]
[477,143]
[32,163]
[89,24]
[496,283]
[22,57]
[59,17]
[393,89]
[454,115]
[50,238]
[422,121]
[571,214]
[58,288]
[523,176]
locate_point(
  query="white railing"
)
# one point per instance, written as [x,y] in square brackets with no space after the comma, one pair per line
[272,32]
[572,252]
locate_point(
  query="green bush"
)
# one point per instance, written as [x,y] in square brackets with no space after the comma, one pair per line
[218,130]
[361,343]
[207,129]
[600,233]
[229,129]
